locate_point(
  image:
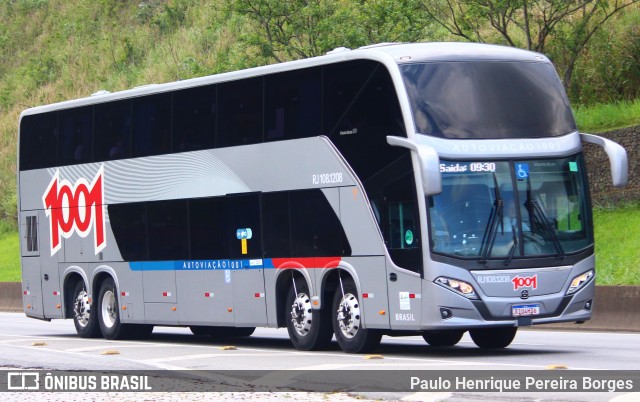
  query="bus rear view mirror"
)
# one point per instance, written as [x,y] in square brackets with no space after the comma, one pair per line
[429,163]
[617,158]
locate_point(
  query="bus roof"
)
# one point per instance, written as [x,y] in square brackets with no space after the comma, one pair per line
[396,53]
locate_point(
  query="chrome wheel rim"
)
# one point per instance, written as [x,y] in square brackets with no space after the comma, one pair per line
[109,313]
[301,314]
[348,315]
[82,309]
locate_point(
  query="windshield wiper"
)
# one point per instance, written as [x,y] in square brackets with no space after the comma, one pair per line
[513,246]
[539,221]
[495,221]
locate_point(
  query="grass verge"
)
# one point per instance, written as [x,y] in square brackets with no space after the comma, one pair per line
[617,233]
[607,117]
[9,257]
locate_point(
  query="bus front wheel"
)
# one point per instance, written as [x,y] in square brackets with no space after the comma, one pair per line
[347,321]
[85,318]
[308,329]
[443,338]
[493,338]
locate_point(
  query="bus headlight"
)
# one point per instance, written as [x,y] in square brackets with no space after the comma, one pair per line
[460,287]
[579,281]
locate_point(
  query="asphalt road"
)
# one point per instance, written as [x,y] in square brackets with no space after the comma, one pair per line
[28,343]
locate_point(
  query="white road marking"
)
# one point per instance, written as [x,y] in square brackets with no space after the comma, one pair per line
[119,346]
[630,397]
[209,355]
[427,396]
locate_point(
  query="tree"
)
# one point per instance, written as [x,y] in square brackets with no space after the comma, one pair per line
[529,24]
[293,29]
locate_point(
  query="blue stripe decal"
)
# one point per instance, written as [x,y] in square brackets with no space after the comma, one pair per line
[200,265]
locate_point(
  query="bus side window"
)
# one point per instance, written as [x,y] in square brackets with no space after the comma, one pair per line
[129,225]
[243,212]
[361,109]
[194,119]
[112,122]
[207,228]
[276,225]
[76,136]
[316,230]
[152,125]
[168,230]
[240,121]
[293,104]
[38,139]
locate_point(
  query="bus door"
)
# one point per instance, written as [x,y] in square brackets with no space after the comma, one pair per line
[403,275]
[41,282]
[30,252]
[404,244]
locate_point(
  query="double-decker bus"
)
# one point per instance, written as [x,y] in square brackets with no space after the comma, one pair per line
[398,189]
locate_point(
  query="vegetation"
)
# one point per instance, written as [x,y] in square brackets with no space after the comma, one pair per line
[562,28]
[9,254]
[617,233]
[606,117]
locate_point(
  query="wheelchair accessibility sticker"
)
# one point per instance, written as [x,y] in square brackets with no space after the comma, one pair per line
[522,171]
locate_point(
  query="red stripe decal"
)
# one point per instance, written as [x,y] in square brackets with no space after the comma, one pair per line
[306,262]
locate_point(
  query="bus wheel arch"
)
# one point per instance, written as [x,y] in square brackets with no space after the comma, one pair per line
[283,283]
[347,320]
[108,310]
[308,328]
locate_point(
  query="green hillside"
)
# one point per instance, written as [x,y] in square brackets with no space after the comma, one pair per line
[54,50]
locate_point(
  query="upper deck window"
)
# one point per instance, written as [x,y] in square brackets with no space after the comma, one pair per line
[487,100]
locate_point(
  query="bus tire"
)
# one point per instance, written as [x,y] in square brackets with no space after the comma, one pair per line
[222,332]
[85,318]
[308,329]
[493,338]
[443,338]
[140,331]
[109,313]
[346,319]
[231,332]
[199,330]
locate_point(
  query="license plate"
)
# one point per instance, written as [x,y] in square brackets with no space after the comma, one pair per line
[525,310]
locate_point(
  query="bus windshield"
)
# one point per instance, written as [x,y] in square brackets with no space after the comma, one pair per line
[511,209]
[487,100]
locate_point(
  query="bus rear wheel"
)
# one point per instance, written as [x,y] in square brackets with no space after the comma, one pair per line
[443,338]
[308,329]
[493,338]
[84,314]
[109,316]
[347,321]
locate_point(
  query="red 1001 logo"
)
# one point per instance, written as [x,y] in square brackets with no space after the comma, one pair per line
[75,208]
[525,282]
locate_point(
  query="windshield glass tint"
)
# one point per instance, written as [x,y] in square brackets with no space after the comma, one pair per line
[506,210]
[487,100]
